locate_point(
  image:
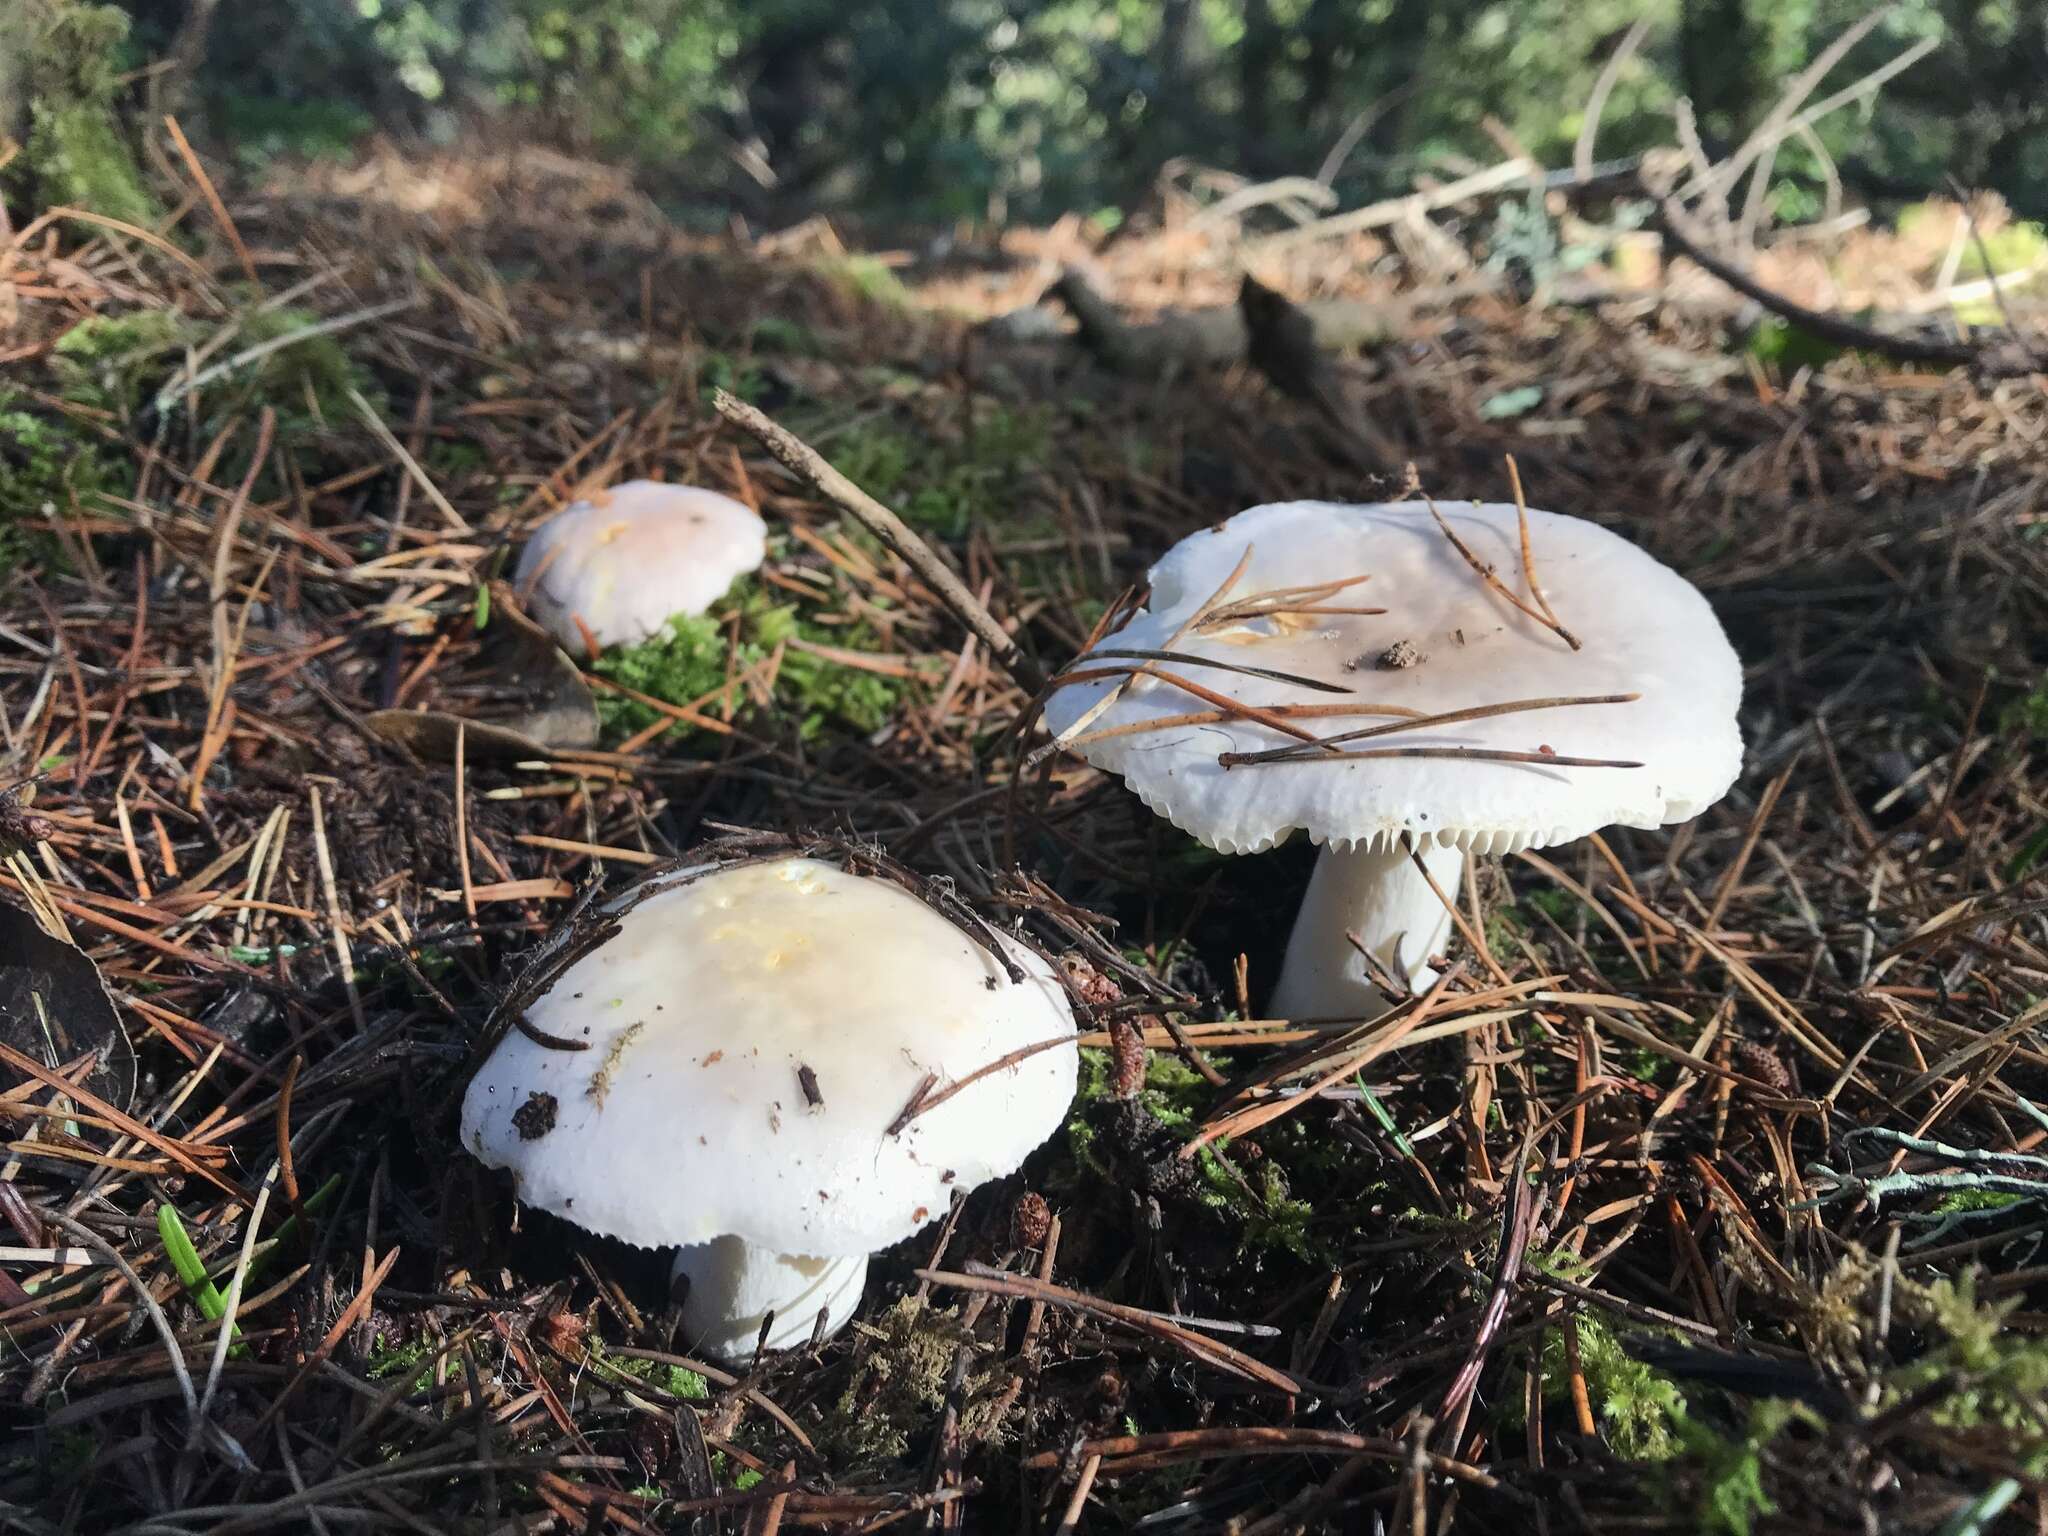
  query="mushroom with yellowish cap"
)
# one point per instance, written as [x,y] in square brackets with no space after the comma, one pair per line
[1369,675]
[752,1034]
[623,562]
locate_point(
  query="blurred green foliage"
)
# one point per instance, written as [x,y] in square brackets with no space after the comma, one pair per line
[58,90]
[947,108]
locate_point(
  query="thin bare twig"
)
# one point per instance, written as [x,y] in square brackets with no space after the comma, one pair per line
[801,459]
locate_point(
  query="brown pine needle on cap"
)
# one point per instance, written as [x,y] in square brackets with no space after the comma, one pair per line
[1448,717]
[1494,583]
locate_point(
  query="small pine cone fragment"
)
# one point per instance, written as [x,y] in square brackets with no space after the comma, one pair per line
[1126,1059]
[1030,1220]
[1126,1037]
[1764,1064]
[1087,983]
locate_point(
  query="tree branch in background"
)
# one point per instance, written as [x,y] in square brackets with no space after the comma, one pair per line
[1216,338]
[2005,359]
[798,457]
[1582,152]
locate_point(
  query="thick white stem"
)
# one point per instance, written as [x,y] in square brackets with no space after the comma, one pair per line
[733,1285]
[1383,899]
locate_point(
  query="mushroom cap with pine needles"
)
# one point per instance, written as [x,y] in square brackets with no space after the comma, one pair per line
[753,1037]
[1606,694]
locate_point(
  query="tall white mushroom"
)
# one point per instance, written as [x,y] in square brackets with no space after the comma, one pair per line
[627,560]
[754,1035]
[1443,642]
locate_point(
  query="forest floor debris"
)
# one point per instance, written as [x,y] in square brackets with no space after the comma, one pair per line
[1722,1205]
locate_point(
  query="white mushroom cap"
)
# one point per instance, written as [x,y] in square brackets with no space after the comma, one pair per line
[1644,629]
[687,1119]
[629,559]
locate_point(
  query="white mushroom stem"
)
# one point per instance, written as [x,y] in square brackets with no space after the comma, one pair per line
[734,1285]
[1383,899]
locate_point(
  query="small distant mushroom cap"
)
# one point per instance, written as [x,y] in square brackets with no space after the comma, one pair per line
[687,1118]
[629,559]
[1644,629]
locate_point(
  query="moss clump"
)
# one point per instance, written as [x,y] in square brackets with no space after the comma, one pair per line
[1641,1410]
[114,362]
[68,72]
[938,485]
[110,367]
[866,278]
[672,1379]
[2000,1375]
[1731,1494]
[693,656]
[264,127]
[2027,715]
[1253,1199]
[119,362]
[904,1383]
[48,467]
[412,1360]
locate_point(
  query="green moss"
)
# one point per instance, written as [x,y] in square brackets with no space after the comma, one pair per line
[111,367]
[1562,907]
[316,364]
[1999,1375]
[672,1379]
[691,657]
[1732,1492]
[2014,248]
[1641,1411]
[721,370]
[904,1383]
[114,362]
[263,127]
[1964,1200]
[48,466]
[1254,1199]
[2027,715]
[414,1359]
[942,485]
[76,152]
[118,363]
[778,333]
[1260,1201]
[1790,346]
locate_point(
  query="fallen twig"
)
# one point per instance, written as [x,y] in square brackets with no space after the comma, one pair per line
[801,459]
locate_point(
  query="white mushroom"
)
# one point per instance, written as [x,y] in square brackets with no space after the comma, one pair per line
[629,559]
[755,1034]
[1445,642]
